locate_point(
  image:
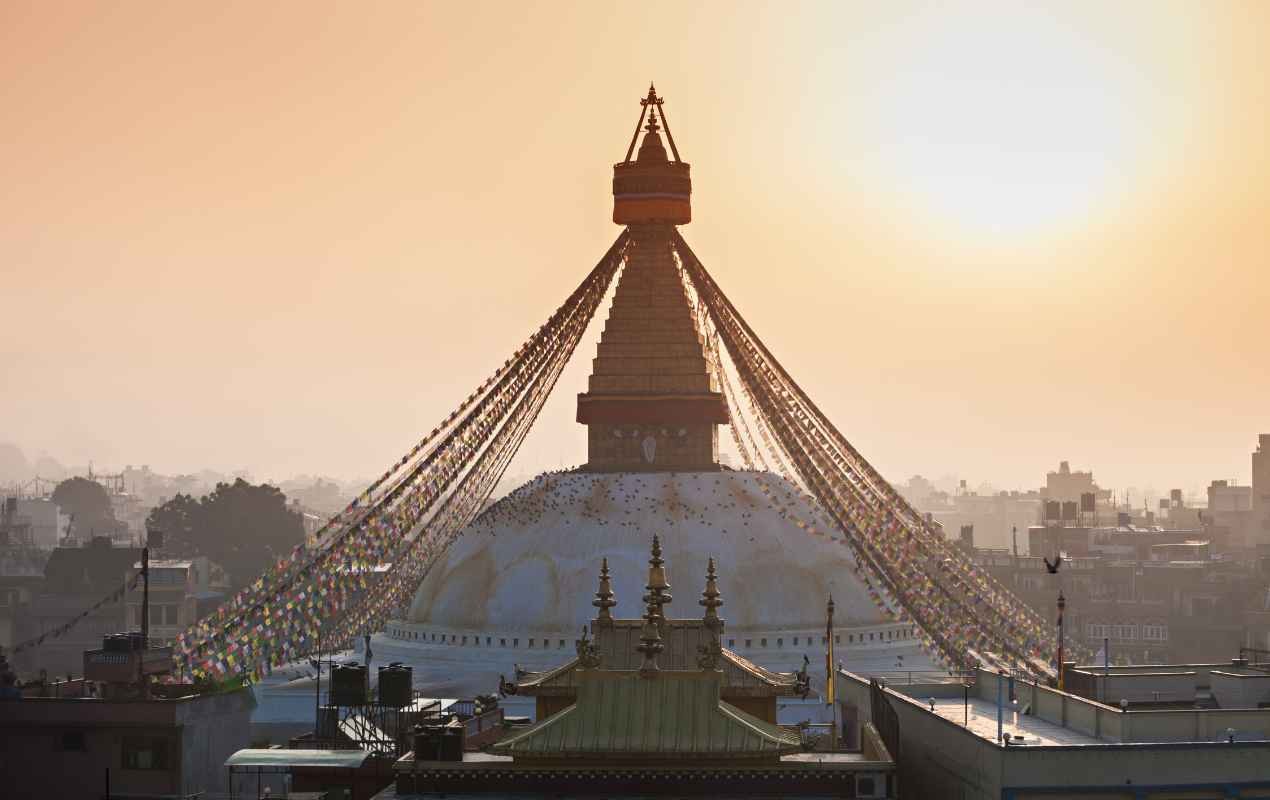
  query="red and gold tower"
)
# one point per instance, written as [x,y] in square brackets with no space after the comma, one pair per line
[653,401]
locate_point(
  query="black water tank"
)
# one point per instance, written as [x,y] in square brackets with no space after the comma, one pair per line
[350,685]
[396,683]
[328,722]
[439,742]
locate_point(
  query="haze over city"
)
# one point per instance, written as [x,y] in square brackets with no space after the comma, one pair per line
[291,238]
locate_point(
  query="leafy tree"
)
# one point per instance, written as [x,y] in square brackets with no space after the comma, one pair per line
[90,504]
[241,526]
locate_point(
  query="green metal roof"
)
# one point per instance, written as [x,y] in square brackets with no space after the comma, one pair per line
[278,757]
[674,714]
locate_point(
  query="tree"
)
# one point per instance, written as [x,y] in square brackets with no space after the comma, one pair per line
[88,502]
[241,526]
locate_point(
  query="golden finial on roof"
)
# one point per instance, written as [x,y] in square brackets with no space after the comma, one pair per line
[658,587]
[711,599]
[650,640]
[604,597]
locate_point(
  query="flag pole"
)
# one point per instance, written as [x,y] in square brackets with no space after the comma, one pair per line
[830,693]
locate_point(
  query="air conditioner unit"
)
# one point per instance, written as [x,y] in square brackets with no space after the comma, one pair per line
[870,784]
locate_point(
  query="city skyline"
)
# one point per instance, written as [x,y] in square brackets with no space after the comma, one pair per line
[226,213]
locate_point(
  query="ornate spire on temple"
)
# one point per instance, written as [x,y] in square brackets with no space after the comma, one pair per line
[711,599]
[652,401]
[604,597]
[650,640]
[658,587]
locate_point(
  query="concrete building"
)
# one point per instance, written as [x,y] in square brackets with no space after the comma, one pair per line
[75,579]
[1163,602]
[949,737]
[45,521]
[182,591]
[1261,490]
[73,739]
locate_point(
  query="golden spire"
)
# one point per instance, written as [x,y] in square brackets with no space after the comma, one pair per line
[658,587]
[604,596]
[710,599]
[650,641]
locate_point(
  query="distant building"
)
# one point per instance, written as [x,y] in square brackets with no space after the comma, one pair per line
[992,737]
[75,580]
[44,519]
[1154,596]
[182,591]
[1261,490]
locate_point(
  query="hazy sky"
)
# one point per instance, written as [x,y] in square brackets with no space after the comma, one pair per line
[291,237]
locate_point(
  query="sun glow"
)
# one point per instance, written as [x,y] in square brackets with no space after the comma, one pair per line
[1008,123]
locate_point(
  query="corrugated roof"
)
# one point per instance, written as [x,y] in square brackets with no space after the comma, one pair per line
[675,715]
[255,757]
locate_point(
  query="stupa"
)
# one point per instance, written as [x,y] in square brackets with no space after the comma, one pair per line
[511,592]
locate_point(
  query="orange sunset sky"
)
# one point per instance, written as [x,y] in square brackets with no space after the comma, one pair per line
[290,237]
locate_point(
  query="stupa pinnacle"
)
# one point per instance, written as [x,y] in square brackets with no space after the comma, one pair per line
[653,402]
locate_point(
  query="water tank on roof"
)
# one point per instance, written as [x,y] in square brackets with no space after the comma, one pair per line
[396,683]
[350,685]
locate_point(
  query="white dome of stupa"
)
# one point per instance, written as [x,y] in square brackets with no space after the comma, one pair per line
[529,563]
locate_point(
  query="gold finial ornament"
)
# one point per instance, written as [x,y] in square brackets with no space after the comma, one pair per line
[604,597]
[658,587]
[650,641]
[711,599]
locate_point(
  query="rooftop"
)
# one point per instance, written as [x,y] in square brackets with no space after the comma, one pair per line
[980,718]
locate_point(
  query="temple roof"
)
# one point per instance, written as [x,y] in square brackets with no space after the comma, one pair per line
[674,715]
[615,647]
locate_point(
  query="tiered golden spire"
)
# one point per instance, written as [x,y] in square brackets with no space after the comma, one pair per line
[604,597]
[650,637]
[658,587]
[711,600]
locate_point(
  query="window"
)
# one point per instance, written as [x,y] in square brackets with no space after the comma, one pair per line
[795,641]
[515,642]
[464,640]
[837,639]
[1155,633]
[762,643]
[748,643]
[561,645]
[780,642]
[145,752]
[531,642]
[731,644]
[487,641]
[70,742]
[502,642]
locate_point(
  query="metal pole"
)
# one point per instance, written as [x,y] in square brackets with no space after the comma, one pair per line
[145,594]
[1000,708]
[1062,603]
[1106,666]
[317,690]
[965,704]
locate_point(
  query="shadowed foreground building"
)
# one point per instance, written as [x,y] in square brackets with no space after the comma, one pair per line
[109,731]
[1179,731]
[650,707]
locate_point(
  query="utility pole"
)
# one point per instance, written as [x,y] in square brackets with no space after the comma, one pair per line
[1062,604]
